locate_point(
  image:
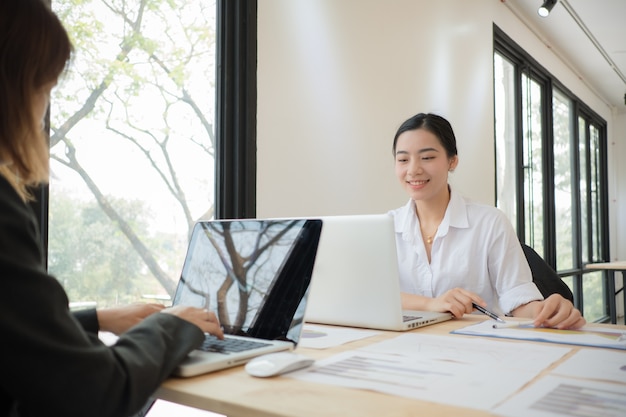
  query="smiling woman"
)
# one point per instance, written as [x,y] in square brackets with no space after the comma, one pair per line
[132,146]
[456,255]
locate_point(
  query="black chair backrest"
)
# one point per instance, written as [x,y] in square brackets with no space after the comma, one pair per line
[544,277]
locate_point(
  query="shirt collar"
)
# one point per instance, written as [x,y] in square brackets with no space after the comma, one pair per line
[455,216]
[456,213]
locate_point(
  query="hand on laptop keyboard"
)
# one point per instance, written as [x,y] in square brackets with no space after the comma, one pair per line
[206,320]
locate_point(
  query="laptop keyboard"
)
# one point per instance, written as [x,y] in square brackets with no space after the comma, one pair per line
[229,345]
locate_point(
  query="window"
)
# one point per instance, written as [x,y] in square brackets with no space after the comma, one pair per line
[533,162]
[564,171]
[551,171]
[132,146]
[137,141]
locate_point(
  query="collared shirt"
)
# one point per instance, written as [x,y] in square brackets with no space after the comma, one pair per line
[475,248]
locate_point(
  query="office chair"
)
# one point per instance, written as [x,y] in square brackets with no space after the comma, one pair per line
[544,277]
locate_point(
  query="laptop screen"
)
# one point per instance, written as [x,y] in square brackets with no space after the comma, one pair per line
[254,274]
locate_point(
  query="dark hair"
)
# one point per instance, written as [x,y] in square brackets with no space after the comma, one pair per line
[433,123]
[34,51]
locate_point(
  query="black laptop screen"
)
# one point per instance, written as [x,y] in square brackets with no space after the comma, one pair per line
[254,274]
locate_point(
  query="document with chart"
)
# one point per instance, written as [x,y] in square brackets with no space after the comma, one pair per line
[592,382]
[556,396]
[430,367]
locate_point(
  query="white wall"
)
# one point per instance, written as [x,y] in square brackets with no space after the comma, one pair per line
[337,77]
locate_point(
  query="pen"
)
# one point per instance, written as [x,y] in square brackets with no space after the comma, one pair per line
[513,324]
[487,312]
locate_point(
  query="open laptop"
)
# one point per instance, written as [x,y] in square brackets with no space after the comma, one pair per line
[254,274]
[356,281]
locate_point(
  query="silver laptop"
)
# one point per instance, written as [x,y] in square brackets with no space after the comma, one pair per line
[254,274]
[356,281]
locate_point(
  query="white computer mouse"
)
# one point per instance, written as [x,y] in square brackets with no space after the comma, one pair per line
[273,364]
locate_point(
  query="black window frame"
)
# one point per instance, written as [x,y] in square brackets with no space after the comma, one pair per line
[236,108]
[525,63]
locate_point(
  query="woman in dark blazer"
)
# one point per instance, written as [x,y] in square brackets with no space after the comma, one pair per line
[51,361]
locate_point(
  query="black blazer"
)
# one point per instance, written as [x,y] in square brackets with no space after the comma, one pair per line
[51,361]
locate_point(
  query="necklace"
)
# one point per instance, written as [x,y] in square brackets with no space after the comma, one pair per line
[429,237]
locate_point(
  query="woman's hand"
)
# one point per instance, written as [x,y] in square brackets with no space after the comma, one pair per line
[555,311]
[457,301]
[117,320]
[206,320]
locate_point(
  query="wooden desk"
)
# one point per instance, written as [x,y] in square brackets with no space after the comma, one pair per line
[610,268]
[236,394]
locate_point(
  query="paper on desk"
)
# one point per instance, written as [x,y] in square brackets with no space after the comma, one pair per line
[324,337]
[595,364]
[162,408]
[587,336]
[554,396]
[457,371]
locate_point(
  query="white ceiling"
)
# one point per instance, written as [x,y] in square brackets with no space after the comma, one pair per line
[565,27]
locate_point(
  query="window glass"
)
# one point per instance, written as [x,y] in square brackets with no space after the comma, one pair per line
[132,146]
[594,188]
[593,308]
[532,144]
[584,189]
[504,95]
[564,203]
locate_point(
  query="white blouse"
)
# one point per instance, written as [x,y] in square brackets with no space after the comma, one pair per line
[475,248]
